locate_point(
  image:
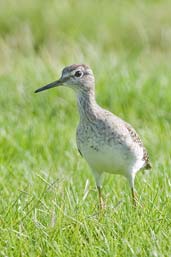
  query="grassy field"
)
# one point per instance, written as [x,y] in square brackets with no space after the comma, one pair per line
[44,210]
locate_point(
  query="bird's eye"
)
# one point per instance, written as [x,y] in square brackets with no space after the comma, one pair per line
[78,73]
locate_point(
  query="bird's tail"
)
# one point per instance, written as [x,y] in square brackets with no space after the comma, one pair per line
[148,166]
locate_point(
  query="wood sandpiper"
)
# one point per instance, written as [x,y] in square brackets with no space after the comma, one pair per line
[108,143]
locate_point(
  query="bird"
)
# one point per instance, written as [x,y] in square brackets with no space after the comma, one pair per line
[108,143]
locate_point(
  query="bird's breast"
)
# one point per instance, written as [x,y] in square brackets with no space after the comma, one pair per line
[100,153]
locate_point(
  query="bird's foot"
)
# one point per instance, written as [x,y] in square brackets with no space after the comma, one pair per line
[136,202]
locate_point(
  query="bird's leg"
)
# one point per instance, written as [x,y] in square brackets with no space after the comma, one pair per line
[101,202]
[98,178]
[134,197]
[131,179]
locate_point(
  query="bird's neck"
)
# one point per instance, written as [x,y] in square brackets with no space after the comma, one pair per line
[87,105]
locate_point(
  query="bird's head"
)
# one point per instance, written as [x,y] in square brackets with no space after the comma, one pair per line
[77,76]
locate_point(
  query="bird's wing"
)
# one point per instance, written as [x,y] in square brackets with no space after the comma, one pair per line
[135,137]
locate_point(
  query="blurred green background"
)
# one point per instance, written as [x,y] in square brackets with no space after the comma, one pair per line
[43,211]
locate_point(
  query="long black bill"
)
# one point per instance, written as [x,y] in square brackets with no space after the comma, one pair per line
[48,86]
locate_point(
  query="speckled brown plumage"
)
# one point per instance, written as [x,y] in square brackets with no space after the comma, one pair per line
[137,139]
[108,143]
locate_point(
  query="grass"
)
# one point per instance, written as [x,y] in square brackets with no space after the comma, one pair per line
[44,209]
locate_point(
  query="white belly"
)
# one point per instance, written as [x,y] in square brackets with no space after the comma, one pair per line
[108,159]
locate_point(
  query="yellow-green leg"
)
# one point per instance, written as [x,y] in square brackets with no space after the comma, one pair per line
[134,197]
[101,202]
